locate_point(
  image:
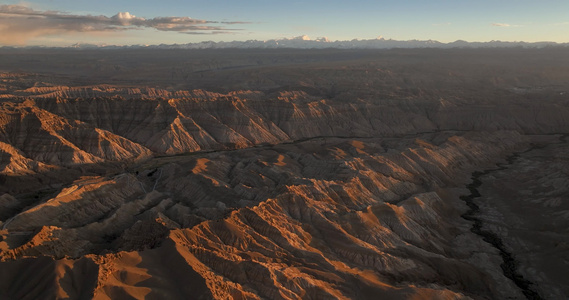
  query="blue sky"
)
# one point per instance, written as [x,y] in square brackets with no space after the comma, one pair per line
[65,22]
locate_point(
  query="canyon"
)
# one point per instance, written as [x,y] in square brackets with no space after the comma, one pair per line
[284,173]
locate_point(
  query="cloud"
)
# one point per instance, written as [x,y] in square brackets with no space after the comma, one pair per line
[211,32]
[234,22]
[20,23]
[505,25]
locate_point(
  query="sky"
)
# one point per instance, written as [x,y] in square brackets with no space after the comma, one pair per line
[148,22]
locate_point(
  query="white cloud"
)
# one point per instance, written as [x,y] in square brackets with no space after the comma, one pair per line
[505,25]
[20,23]
[125,18]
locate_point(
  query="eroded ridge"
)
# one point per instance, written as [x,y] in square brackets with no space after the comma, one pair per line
[321,216]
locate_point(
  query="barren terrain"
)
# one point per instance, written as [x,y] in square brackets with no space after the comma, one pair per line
[284,174]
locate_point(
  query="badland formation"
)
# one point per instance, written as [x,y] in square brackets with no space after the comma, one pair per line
[284,173]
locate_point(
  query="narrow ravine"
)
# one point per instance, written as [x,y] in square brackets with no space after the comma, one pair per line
[510,264]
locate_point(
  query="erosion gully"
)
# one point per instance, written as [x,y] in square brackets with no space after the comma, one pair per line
[510,264]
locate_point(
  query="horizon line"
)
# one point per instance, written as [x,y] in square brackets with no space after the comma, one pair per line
[303,40]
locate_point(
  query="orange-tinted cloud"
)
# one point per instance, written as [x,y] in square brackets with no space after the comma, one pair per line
[20,23]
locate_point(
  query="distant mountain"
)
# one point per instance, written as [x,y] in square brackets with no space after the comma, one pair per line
[305,42]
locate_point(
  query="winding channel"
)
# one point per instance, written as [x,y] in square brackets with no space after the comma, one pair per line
[510,264]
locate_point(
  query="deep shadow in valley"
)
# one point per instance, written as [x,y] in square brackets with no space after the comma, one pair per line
[510,265]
